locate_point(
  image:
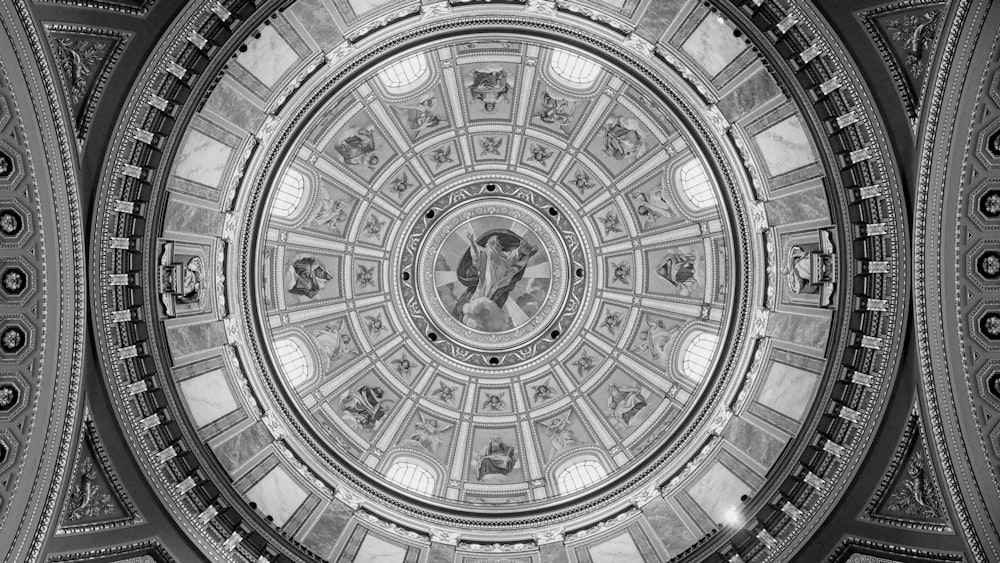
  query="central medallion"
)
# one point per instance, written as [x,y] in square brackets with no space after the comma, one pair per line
[496,274]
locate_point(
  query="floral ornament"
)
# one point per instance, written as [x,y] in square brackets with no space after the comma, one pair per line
[9,223]
[13,281]
[5,165]
[991,204]
[991,325]
[12,339]
[8,396]
[989,265]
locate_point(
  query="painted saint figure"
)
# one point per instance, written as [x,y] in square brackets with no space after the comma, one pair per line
[489,85]
[366,406]
[622,138]
[624,403]
[310,277]
[356,147]
[420,114]
[427,433]
[678,271]
[495,458]
[491,268]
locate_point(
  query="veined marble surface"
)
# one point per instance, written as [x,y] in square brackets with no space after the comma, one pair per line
[619,548]
[787,389]
[713,45]
[785,146]
[208,397]
[277,495]
[718,491]
[202,159]
[376,550]
[268,57]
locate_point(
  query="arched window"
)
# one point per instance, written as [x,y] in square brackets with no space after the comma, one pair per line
[405,72]
[698,356]
[574,68]
[580,475]
[411,476]
[694,182]
[289,194]
[292,361]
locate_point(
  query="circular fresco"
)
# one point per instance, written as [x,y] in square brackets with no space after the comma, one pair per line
[489,307]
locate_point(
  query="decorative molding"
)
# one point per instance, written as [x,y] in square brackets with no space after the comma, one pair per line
[906,34]
[85,57]
[909,495]
[95,499]
[132,7]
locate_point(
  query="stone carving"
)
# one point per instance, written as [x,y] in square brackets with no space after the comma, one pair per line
[183,279]
[918,495]
[85,58]
[906,33]
[811,268]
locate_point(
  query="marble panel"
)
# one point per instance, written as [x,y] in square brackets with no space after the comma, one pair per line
[787,389]
[277,495]
[181,217]
[755,91]
[619,548]
[233,105]
[554,553]
[202,159]
[785,146]
[713,45]
[443,553]
[186,340]
[670,529]
[318,22]
[208,396]
[364,6]
[805,205]
[799,329]
[658,16]
[718,491]
[323,536]
[268,57]
[374,549]
[239,449]
[752,440]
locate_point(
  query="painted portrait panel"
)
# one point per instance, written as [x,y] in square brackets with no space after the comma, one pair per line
[620,141]
[331,210]
[654,202]
[429,433]
[360,147]
[496,457]
[489,89]
[678,270]
[624,401]
[493,274]
[656,338]
[365,405]
[423,115]
[309,276]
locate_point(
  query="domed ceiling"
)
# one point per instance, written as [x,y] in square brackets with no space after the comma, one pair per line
[495,271]
[499,279]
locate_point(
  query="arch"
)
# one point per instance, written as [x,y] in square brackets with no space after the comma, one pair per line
[695,185]
[578,473]
[406,74]
[698,354]
[577,70]
[411,474]
[291,357]
[288,198]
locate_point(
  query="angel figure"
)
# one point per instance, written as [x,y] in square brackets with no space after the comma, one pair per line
[584,364]
[561,436]
[427,433]
[334,343]
[365,276]
[440,157]
[655,204]
[543,391]
[375,324]
[656,339]
[494,402]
